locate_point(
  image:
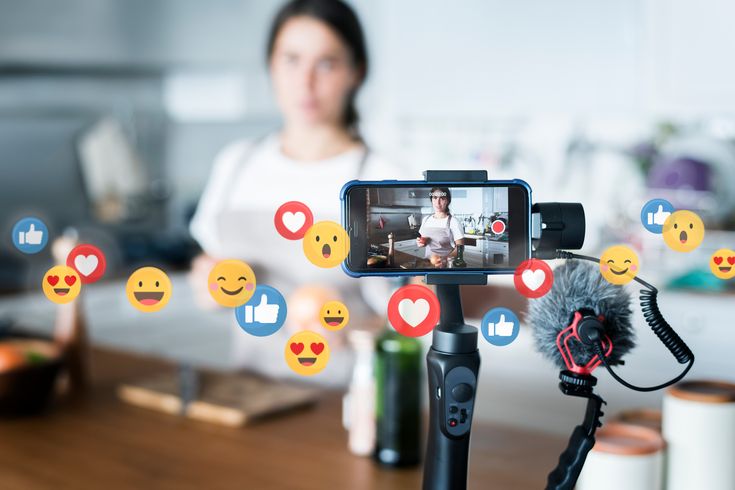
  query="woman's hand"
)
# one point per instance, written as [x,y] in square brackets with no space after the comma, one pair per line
[422,241]
[437,261]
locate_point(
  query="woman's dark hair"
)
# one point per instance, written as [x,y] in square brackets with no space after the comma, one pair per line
[341,19]
[446,192]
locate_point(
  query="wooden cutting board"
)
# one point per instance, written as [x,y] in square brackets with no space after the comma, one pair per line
[222,398]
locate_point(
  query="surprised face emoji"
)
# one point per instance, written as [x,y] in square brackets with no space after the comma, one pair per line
[683,231]
[326,244]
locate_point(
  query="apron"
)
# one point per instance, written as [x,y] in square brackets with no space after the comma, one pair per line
[230,224]
[226,196]
[440,241]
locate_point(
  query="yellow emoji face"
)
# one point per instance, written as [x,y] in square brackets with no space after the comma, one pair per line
[231,283]
[148,289]
[307,353]
[683,231]
[334,315]
[326,244]
[61,284]
[619,264]
[722,263]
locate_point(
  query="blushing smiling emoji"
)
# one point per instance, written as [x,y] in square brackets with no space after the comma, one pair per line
[307,353]
[326,244]
[231,283]
[722,263]
[683,231]
[148,289]
[619,264]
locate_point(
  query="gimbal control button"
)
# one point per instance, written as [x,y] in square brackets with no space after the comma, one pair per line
[462,392]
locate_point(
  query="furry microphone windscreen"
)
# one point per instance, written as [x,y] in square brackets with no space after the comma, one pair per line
[578,285]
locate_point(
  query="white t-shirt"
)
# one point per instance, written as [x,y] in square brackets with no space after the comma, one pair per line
[456,230]
[234,218]
[258,178]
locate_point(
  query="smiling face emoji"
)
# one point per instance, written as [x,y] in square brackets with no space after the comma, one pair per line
[231,283]
[148,289]
[326,244]
[61,284]
[683,231]
[722,263]
[619,265]
[307,353]
[334,315]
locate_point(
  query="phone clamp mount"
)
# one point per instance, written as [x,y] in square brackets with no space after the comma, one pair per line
[453,360]
[453,364]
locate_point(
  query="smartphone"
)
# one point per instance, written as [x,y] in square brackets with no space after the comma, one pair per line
[416,227]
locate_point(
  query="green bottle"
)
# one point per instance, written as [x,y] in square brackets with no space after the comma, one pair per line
[399,384]
[458,261]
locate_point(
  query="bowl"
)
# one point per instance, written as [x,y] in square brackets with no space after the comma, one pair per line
[377,261]
[27,386]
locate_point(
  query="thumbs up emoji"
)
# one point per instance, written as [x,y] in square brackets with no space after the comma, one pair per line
[262,313]
[659,217]
[501,328]
[30,237]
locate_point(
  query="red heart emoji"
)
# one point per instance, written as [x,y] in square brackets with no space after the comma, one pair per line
[718,260]
[731,260]
[297,348]
[53,280]
[69,280]
[317,348]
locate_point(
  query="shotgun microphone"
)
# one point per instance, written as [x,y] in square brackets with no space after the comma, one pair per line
[581,303]
[585,322]
[581,309]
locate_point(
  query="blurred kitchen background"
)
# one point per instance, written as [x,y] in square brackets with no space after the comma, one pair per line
[111,113]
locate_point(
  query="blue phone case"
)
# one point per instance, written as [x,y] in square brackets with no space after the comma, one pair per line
[439,272]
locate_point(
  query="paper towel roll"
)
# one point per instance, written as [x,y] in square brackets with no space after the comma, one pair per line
[699,427]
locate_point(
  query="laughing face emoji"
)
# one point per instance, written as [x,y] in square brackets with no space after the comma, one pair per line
[307,353]
[326,244]
[61,284]
[231,283]
[334,315]
[148,289]
[683,231]
[722,263]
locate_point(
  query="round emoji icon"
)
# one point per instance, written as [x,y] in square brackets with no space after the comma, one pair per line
[619,264]
[334,315]
[326,244]
[88,261]
[307,353]
[683,231]
[231,283]
[722,263]
[293,219]
[61,284]
[533,278]
[149,289]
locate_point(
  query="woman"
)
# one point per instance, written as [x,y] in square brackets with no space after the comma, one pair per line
[440,232]
[317,61]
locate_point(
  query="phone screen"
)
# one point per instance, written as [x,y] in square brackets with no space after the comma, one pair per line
[402,227]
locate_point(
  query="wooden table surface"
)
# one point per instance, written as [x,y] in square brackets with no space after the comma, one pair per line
[95,442]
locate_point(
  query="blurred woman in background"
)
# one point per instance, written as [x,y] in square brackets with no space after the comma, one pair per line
[317,59]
